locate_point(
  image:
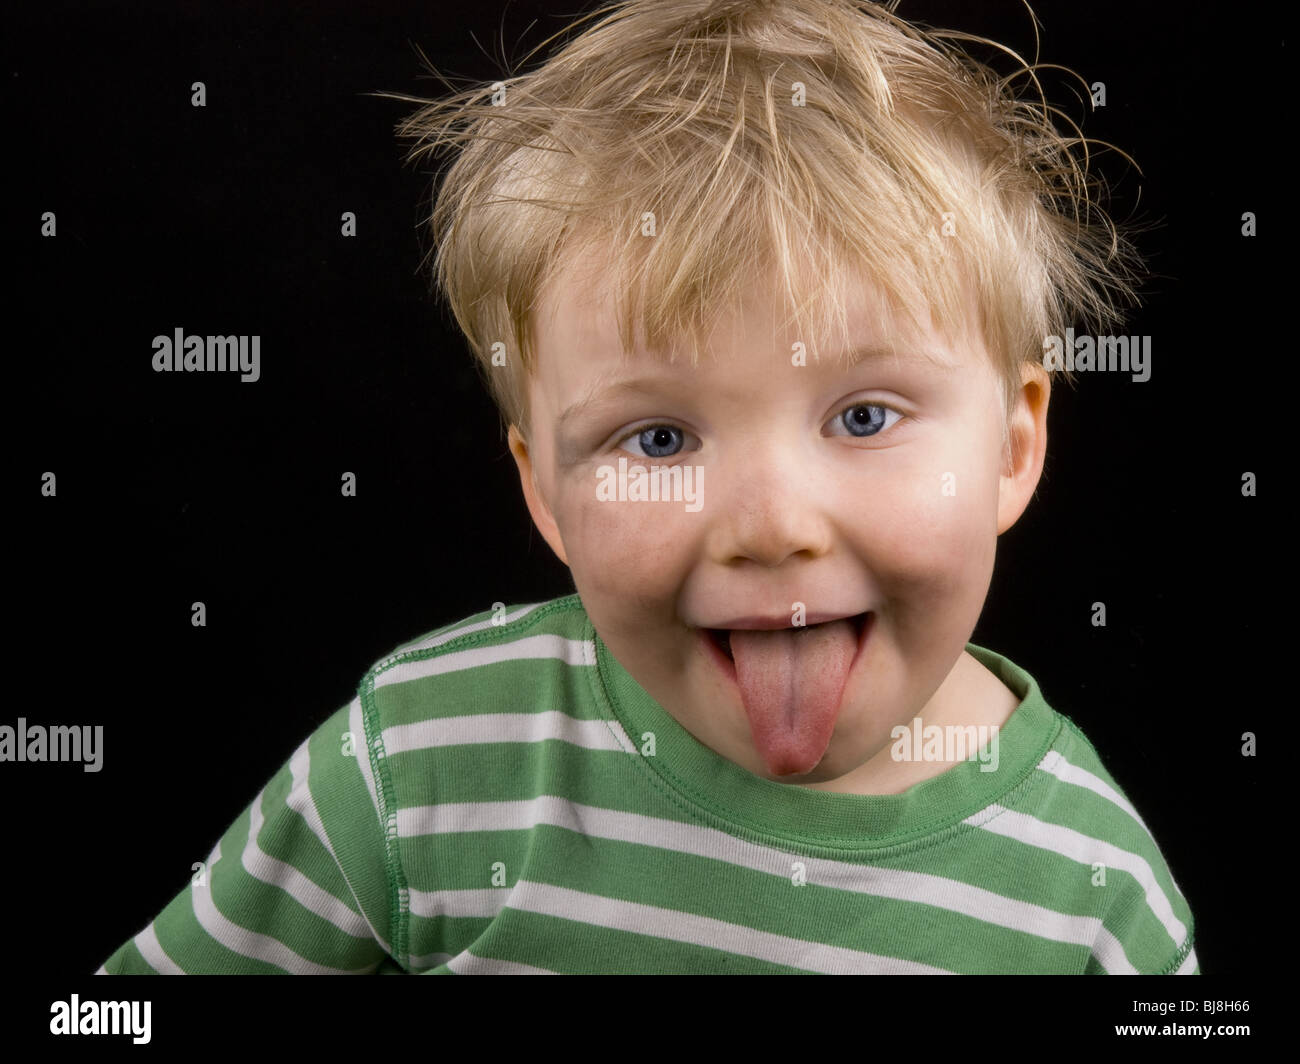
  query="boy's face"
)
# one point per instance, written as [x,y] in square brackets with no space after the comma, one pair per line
[814,490]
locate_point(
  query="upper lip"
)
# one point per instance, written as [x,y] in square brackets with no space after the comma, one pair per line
[767,623]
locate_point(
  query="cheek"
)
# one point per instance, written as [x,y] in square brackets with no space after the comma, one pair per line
[934,537]
[625,549]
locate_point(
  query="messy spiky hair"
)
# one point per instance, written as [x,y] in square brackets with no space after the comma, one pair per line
[811,142]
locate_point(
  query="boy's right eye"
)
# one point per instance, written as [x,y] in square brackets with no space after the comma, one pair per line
[656,441]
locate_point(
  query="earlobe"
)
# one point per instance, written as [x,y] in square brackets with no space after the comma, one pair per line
[1027,446]
[537,507]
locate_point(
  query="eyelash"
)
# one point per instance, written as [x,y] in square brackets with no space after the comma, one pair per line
[838,417]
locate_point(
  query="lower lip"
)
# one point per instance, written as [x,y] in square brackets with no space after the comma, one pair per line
[728,667]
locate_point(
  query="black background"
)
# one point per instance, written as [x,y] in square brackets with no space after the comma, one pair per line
[180,487]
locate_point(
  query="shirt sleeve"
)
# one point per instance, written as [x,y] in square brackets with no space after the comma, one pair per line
[298,884]
[1148,923]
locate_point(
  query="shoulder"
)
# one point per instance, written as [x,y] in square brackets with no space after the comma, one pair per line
[502,621]
[1081,843]
[1074,808]
[487,657]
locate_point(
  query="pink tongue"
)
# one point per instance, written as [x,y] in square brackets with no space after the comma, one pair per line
[791,681]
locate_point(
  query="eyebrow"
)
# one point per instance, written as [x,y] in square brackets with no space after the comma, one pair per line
[904,353]
[599,396]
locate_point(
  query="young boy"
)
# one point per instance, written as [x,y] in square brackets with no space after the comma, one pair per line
[756,739]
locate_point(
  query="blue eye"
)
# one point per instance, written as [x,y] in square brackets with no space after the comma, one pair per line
[866,419]
[658,441]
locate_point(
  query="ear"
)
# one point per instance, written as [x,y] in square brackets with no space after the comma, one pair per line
[541,513]
[1026,445]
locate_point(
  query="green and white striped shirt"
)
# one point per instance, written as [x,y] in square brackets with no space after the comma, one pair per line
[489,802]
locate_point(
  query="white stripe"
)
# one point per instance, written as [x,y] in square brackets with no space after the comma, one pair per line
[507,728]
[1189,964]
[569,651]
[153,953]
[453,631]
[425,961]
[1086,850]
[468,964]
[478,901]
[250,943]
[677,926]
[1109,953]
[593,821]
[1055,763]
[300,800]
[276,873]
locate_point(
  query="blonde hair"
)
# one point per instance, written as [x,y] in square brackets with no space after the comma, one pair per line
[689,109]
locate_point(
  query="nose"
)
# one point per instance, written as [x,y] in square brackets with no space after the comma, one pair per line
[768,505]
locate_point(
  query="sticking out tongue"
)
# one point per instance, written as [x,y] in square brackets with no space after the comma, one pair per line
[791,681]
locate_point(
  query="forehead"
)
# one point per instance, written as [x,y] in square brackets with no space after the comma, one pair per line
[580,352]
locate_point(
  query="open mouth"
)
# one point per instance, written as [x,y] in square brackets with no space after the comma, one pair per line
[790,685]
[721,637]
